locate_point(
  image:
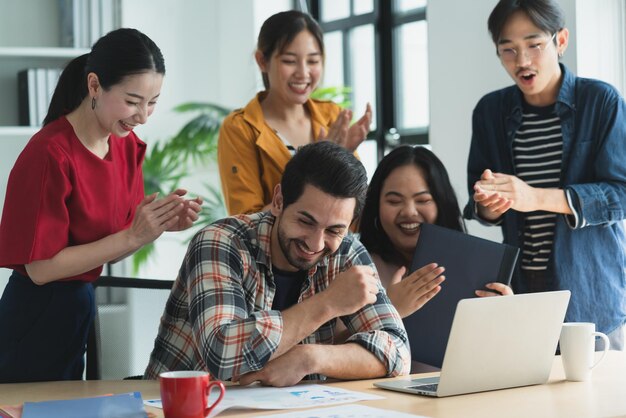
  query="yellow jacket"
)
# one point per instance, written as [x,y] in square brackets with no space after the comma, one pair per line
[252,158]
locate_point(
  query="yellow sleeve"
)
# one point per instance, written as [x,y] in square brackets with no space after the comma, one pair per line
[239,166]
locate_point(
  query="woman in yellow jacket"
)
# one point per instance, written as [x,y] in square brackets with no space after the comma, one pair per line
[256,142]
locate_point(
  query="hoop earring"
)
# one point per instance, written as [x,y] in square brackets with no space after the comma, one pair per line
[560,54]
[93,103]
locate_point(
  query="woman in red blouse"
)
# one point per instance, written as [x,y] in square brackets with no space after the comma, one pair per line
[74,201]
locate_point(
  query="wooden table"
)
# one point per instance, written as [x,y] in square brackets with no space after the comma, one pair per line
[604,395]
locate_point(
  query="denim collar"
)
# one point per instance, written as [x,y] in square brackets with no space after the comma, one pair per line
[566,97]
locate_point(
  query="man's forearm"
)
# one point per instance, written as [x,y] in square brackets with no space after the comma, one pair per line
[344,361]
[553,200]
[300,321]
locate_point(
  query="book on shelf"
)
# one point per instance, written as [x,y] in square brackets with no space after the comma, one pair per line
[83,22]
[42,95]
[27,97]
[35,89]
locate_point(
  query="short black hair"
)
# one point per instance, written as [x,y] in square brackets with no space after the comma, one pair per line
[373,237]
[330,168]
[547,15]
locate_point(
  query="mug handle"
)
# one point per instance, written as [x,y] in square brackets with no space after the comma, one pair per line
[208,391]
[606,346]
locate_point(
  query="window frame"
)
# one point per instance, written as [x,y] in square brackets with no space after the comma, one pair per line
[385,21]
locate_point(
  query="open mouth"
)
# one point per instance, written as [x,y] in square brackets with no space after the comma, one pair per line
[409,227]
[127,126]
[303,249]
[299,87]
[526,76]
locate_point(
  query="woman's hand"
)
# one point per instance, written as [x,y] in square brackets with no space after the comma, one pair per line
[349,137]
[499,289]
[153,217]
[411,293]
[188,213]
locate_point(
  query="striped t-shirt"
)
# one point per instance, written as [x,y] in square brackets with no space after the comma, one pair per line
[290,148]
[537,153]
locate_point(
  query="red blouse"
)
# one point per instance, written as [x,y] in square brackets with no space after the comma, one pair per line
[60,194]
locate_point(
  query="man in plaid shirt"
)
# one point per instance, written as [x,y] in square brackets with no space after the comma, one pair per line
[258,297]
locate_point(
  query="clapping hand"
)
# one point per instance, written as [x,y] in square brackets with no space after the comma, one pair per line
[188,214]
[155,216]
[499,192]
[349,137]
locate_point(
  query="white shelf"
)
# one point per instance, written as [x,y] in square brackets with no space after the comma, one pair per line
[42,52]
[9,131]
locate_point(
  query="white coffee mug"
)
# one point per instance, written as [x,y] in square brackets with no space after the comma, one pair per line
[577,345]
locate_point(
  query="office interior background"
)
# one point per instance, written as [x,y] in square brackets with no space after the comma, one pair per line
[423,64]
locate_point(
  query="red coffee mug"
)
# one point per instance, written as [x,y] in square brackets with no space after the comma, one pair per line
[185,394]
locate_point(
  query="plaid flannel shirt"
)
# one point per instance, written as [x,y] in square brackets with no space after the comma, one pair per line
[219,315]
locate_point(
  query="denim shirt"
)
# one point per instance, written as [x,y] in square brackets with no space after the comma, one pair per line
[589,246]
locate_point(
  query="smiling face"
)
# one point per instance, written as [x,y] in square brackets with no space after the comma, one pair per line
[295,71]
[406,203]
[127,104]
[308,229]
[535,66]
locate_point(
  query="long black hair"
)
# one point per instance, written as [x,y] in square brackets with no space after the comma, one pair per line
[280,29]
[373,236]
[117,54]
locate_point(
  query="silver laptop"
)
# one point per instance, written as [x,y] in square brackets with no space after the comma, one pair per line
[496,343]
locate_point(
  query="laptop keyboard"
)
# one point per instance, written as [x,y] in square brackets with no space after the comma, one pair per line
[428,387]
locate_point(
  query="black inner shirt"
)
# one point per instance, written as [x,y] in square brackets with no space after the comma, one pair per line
[288,286]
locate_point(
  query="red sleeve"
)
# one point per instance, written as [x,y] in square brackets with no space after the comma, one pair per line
[35,218]
[138,187]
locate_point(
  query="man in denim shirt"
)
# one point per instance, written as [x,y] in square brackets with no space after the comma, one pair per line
[548,164]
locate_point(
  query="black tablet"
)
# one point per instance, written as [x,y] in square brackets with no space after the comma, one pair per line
[470,263]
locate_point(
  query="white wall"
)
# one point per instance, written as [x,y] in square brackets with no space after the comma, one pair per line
[209,57]
[463,67]
[602,60]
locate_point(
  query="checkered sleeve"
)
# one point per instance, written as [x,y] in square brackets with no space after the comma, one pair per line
[378,327]
[233,337]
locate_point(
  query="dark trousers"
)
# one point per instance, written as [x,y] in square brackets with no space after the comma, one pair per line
[43,329]
[536,281]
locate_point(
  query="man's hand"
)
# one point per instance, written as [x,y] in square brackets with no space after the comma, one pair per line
[352,290]
[416,289]
[286,370]
[522,197]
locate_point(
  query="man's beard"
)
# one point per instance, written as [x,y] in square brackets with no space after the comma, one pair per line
[285,243]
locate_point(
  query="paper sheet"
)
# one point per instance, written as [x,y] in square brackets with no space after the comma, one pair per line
[300,396]
[344,411]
